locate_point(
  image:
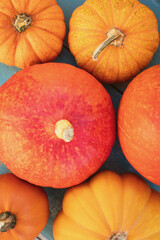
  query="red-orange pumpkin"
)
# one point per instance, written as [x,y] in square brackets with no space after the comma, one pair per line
[139,123]
[24,209]
[57,124]
[30,31]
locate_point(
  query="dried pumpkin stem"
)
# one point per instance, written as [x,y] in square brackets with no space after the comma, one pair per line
[64,130]
[119,236]
[7,221]
[114,37]
[22,22]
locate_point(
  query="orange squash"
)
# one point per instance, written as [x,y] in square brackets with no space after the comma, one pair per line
[24,209]
[139,123]
[109,207]
[30,31]
[57,124]
[113,39]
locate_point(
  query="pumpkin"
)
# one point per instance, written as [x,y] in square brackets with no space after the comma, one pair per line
[139,123]
[109,207]
[113,39]
[31,31]
[57,124]
[24,209]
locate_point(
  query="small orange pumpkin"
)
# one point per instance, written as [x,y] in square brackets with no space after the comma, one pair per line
[109,207]
[30,31]
[113,39]
[24,209]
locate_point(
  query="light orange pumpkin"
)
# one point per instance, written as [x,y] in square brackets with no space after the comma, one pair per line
[24,209]
[109,207]
[30,31]
[113,39]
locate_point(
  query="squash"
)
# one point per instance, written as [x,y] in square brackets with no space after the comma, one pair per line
[113,39]
[109,207]
[58,124]
[139,123]
[24,209]
[31,31]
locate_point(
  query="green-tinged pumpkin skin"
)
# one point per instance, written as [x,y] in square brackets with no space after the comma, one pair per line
[125,30]
[109,206]
[24,209]
[57,125]
[139,123]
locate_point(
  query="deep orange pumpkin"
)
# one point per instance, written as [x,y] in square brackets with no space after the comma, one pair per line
[125,30]
[30,31]
[57,124]
[139,123]
[109,207]
[24,209]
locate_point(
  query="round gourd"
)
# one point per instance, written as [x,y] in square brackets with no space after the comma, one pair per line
[24,209]
[109,207]
[57,124]
[30,31]
[139,123]
[113,39]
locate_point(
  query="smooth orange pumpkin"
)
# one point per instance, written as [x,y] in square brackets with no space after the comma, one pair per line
[139,123]
[57,124]
[109,207]
[24,209]
[30,31]
[113,39]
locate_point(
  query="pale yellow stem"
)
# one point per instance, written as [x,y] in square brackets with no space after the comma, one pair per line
[64,130]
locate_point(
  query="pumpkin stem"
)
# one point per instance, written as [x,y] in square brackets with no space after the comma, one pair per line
[64,130]
[119,236]
[22,22]
[7,221]
[114,37]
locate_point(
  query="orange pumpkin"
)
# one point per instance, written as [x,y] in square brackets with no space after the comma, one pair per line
[113,39]
[24,209]
[111,207]
[139,123]
[30,31]
[57,124]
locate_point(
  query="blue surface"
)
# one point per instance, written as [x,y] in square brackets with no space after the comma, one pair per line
[116,161]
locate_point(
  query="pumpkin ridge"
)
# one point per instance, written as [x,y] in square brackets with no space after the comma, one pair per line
[13,5]
[5,14]
[144,22]
[88,214]
[107,18]
[124,24]
[31,47]
[127,65]
[46,42]
[48,31]
[112,11]
[126,48]
[142,47]
[41,10]
[99,206]
[118,64]
[82,226]
[97,13]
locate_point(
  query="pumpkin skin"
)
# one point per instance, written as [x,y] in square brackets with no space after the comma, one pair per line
[107,205]
[41,41]
[139,123]
[33,101]
[28,203]
[123,58]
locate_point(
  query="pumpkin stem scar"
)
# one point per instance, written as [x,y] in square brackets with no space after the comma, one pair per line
[64,130]
[114,37]
[119,236]
[22,22]
[7,221]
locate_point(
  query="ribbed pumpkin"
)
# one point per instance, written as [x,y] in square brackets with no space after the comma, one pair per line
[113,39]
[30,31]
[24,209]
[57,124]
[109,207]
